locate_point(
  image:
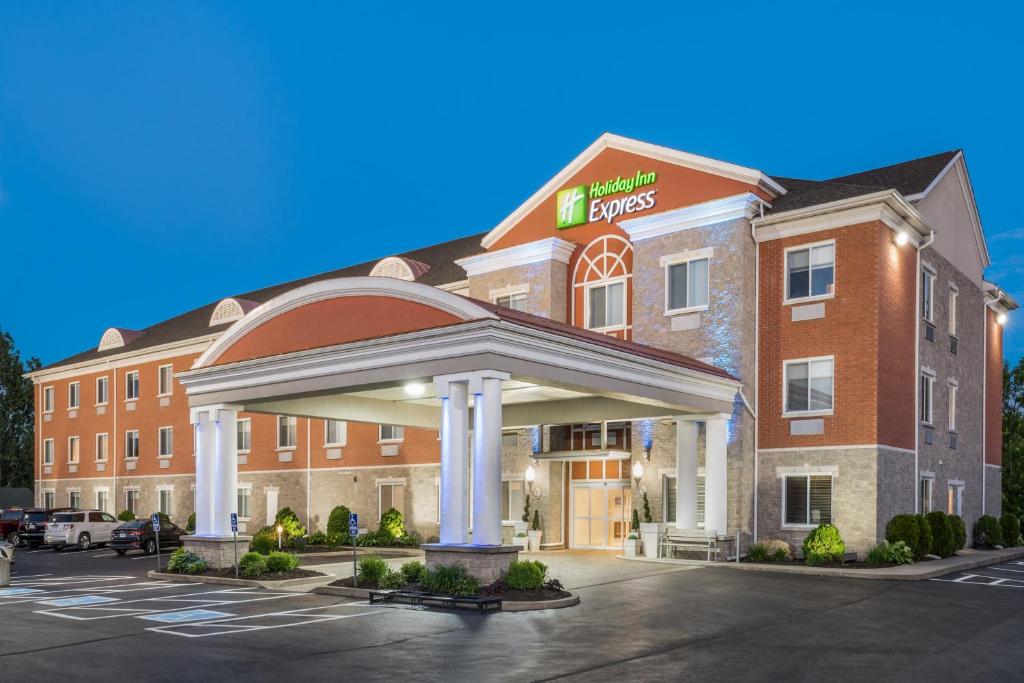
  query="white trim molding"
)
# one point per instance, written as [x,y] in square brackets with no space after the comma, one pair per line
[740,206]
[887,206]
[548,249]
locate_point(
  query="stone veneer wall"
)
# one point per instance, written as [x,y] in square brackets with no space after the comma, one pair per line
[547,280]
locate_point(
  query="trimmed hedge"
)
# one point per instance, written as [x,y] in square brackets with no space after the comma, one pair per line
[185,562]
[959,531]
[190,525]
[907,528]
[281,562]
[337,522]
[392,580]
[392,524]
[824,544]
[125,516]
[988,533]
[927,542]
[525,575]
[453,579]
[943,539]
[264,541]
[371,569]
[413,571]
[1010,526]
[252,565]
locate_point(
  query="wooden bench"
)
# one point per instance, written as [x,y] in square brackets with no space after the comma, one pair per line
[480,604]
[689,539]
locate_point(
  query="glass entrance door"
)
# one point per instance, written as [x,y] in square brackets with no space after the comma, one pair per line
[600,515]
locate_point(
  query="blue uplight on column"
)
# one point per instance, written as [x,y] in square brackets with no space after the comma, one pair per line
[536,439]
[647,434]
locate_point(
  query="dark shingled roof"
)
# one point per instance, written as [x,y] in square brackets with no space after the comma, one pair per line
[803,193]
[196,323]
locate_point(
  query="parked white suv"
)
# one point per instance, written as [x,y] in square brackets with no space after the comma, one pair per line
[82,529]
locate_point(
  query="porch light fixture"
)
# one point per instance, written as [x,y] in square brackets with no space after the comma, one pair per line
[638,471]
[414,389]
[902,237]
[530,476]
[1001,318]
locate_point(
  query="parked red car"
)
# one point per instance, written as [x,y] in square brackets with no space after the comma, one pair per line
[10,520]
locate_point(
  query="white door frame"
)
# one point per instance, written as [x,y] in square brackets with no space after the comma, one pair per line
[598,484]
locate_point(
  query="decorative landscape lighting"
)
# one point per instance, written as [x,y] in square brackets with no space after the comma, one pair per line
[638,471]
[280,530]
[414,389]
[902,237]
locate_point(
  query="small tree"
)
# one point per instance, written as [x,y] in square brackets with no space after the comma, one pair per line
[337,522]
[289,521]
[126,516]
[536,520]
[635,524]
[647,510]
[526,509]
[190,525]
[392,524]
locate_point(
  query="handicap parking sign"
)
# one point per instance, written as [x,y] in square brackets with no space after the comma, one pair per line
[156,521]
[234,522]
[353,524]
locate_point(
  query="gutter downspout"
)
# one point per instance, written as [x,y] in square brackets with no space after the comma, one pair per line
[984,396]
[917,371]
[309,521]
[757,367]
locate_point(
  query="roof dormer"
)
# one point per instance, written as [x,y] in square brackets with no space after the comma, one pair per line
[230,309]
[116,337]
[400,268]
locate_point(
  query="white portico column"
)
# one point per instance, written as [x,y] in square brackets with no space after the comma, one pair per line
[486,390]
[454,395]
[716,474]
[686,473]
[216,468]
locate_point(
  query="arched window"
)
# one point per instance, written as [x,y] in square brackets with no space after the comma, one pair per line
[603,287]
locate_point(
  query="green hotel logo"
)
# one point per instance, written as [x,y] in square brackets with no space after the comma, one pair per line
[572,206]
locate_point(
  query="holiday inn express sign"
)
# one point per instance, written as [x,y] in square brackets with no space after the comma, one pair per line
[582,204]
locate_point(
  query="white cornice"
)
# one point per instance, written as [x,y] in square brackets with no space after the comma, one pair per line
[183,347]
[745,205]
[887,206]
[609,141]
[548,249]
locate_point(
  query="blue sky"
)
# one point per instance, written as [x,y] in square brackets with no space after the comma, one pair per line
[157,156]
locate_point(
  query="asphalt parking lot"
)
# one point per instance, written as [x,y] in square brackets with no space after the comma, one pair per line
[93,615]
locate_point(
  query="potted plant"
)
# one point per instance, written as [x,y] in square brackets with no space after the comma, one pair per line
[519,528]
[632,545]
[535,533]
[650,531]
[522,540]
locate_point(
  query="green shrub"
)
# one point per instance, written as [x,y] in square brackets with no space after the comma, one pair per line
[185,562]
[391,523]
[413,571]
[252,565]
[373,539]
[959,531]
[535,525]
[281,562]
[298,544]
[337,522]
[814,559]
[988,532]
[927,543]
[526,509]
[317,538]
[333,542]
[942,534]
[825,544]
[451,579]
[392,580]
[289,521]
[525,575]
[778,555]
[634,524]
[125,516]
[888,552]
[647,509]
[263,542]
[190,525]
[907,528]
[758,553]
[371,569]
[1010,527]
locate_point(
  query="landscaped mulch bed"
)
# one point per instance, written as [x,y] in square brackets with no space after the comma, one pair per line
[229,573]
[539,595]
[830,565]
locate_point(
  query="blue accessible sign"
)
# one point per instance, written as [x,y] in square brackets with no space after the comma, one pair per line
[156,521]
[234,522]
[353,524]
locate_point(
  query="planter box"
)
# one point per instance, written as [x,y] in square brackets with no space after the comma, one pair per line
[534,537]
[650,532]
[522,541]
[632,548]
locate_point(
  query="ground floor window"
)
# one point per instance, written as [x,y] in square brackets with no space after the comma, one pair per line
[924,503]
[244,498]
[165,501]
[955,499]
[390,495]
[392,433]
[287,429]
[48,499]
[131,501]
[807,500]
[101,500]
[512,500]
[669,497]
[74,499]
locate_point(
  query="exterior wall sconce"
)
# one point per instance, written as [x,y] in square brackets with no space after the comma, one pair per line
[638,471]
[530,476]
[902,238]
[1001,318]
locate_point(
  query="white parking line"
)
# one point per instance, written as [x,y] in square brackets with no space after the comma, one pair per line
[228,626]
[1004,569]
[142,606]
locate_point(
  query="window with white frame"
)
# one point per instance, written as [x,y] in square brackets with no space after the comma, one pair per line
[131,385]
[48,452]
[48,499]
[74,392]
[102,442]
[166,500]
[390,495]
[131,501]
[924,495]
[244,427]
[131,443]
[102,390]
[809,385]
[606,305]
[954,299]
[244,501]
[75,499]
[165,380]
[810,271]
[47,399]
[73,449]
[927,294]
[287,427]
[392,433]
[952,389]
[516,301]
[102,500]
[166,442]
[669,493]
[955,498]
[686,284]
[335,433]
[512,499]
[807,500]
[927,394]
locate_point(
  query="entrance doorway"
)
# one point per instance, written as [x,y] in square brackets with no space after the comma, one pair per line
[600,514]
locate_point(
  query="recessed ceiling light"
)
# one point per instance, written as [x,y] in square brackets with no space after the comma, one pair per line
[414,389]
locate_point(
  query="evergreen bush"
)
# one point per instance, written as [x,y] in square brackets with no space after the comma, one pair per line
[453,579]
[252,565]
[906,528]
[371,569]
[392,580]
[281,562]
[126,516]
[392,524]
[337,521]
[927,544]
[289,521]
[413,571]
[959,531]
[988,533]
[942,534]
[525,575]
[824,544]
[1010,526]
[185,562]
[190,525]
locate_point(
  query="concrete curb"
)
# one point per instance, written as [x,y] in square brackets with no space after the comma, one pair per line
[506,605]
[908,572]
[228,581]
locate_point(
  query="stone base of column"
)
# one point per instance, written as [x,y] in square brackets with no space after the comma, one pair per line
[218,551]
[487,563]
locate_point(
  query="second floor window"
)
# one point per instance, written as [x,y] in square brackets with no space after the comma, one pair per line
[687,284]
[131,444]
[952,406]
[927,393]
[810,271]
[337,433]
[286,431]
[48,399]
[954,297]
[73,451]
[165,375]
[245,434]
[73,392]
[166,441]
[131,385]
[927,294]
[48,452]
[607,307]
[516,302]
[392,433]
[809,385]
[101,447]
[102,385]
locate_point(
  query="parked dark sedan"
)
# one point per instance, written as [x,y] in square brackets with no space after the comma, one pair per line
[10,519]
[33,525]
[138,535]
